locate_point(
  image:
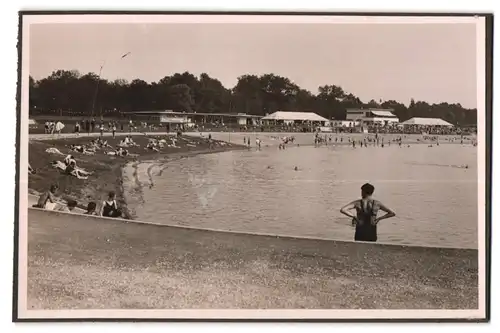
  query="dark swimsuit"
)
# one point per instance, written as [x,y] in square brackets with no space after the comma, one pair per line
[110,210]
[365,231]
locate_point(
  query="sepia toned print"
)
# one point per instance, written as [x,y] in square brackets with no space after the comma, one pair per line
[208,166]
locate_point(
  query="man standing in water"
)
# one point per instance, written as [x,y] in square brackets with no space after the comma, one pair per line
[366,219]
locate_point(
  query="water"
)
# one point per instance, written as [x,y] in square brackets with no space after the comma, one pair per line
[259,191]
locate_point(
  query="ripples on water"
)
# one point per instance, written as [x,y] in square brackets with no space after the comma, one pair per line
[259,191]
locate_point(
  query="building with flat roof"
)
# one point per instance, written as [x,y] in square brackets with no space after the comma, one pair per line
[291,117]
[373,116]
[172,117]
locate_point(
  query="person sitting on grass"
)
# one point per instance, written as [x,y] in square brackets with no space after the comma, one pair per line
[132,142]
[123,143]
[91,209]
[152,146]
[109,207]
[48,199]
[71,169]
[104,143]
[118,152]
[77,148]
[122,152]
[70,159]
[69,208]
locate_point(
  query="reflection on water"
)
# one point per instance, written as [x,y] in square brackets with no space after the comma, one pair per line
[260,191]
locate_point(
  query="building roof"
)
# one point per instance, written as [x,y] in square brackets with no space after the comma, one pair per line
[383,113]
[173,113]
[427,122]
[368,110]
[289,115]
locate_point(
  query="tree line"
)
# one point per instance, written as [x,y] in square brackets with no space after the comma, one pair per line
[71,93]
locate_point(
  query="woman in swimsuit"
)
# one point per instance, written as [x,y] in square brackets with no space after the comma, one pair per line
[109,207]
[366,219]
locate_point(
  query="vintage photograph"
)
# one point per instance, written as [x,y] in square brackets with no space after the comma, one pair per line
[222,166]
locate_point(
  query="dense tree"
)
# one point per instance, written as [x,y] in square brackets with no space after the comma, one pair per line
[69,92]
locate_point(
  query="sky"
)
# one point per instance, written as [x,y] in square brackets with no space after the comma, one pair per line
[429,62]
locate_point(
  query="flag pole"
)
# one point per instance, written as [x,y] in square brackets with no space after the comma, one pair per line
[99,80]
[97,88]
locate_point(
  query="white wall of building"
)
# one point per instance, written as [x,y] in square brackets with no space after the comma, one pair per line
[356,115]
[174,120]
[381,120]
[364,116]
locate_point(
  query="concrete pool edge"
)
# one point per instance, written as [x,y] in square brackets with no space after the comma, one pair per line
[246,233]
[85,262]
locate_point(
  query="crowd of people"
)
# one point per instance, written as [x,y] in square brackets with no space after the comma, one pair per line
[112,126]
[419,129]
[380,140]
[67,165]
[49,200]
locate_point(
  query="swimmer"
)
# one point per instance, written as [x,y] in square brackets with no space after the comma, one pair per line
[365,220]
[296,169]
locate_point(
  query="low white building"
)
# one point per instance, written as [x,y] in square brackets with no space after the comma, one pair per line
[290,117]
[177,119]
[245,119]
[367,116]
